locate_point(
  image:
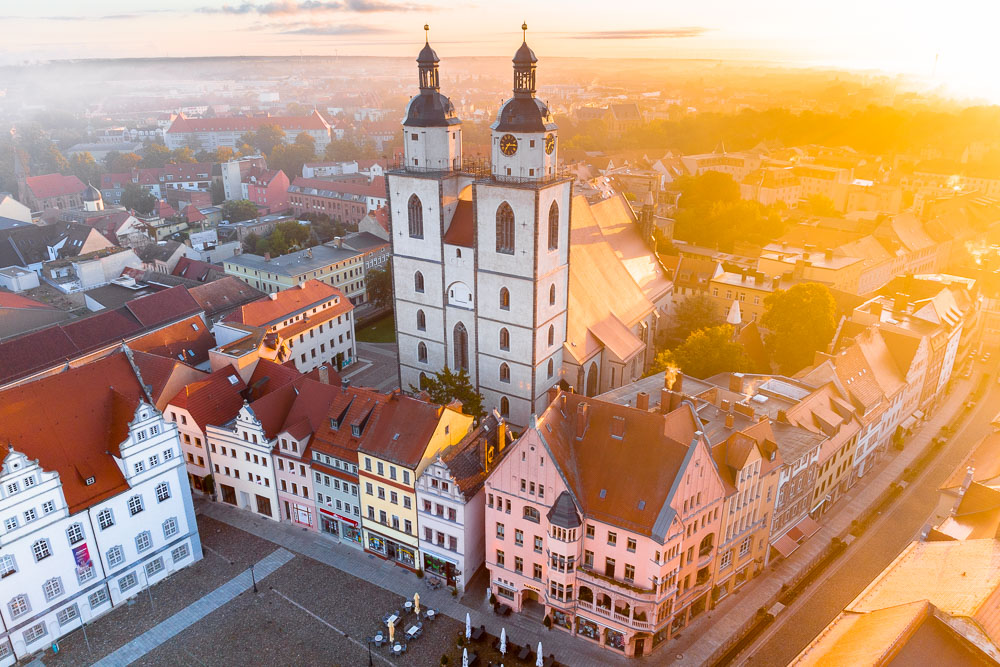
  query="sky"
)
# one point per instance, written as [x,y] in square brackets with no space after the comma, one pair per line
[951,43]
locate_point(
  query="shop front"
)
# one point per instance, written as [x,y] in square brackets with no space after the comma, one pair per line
[443,568]
[394,551]
[335,525]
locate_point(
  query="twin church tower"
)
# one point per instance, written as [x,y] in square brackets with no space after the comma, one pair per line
[481,258]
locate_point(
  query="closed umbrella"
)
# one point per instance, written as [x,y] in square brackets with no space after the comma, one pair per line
[465,657]
[538,661]
[392,631]
[416,603]
[503,641]
[468,626]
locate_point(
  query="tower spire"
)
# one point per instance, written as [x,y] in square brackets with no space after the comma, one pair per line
[427,64]
[524,32]
[524,67]
[427,31]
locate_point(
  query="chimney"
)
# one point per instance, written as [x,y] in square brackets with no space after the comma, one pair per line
[783,417]
[736,382]
[267,257]
[876,310]
[829,254]
[582,417]
[725,405]
[642,401]
[673,380]
[309,253]
[902,304]
[344,384]
[665,400]
[552,393]
[967,482]
[730,420]
[339,242]
[324,374]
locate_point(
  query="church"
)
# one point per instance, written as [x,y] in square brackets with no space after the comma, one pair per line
[481,258]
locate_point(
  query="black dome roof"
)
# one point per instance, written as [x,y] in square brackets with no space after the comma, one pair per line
[430,109]
[427,55]
[524,114]
[525,55]
[91,194]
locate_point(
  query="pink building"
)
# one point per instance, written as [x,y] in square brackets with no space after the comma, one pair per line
[606,518]
[268,188]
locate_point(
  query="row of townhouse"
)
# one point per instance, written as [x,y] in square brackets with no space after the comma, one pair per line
[87,527]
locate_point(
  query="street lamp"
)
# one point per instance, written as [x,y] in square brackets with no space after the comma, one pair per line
[369,642]
[253,578]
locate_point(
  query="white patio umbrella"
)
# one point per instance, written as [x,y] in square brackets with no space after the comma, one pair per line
[538,661]
[392,631]
[468,626]
[465,657]
[503,641]
[416,602]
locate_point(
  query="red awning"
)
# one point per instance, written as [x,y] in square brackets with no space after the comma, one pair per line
[785,546]
[807,526]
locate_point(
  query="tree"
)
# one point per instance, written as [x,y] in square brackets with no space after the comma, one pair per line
[378,283]
[265,138]
[343,150]
[84,167]
[121,163]
[725,223]
[250,243]
[218,192]
[445,387]
[821,205]
[701,192]
[238,210]
[276,244]
[155,155]
[707,352]
[222,154]
[137,198]
[696,311]
[182,155]
[799,321]
[296,234]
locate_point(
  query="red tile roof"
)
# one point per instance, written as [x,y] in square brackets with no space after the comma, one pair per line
[192,214]
[195,269]
[350,406]
[95,403]
[165,210]
[222,294]
[188,340]
[285,303]
[11,300]
[182,124]
[403,430]
[158,372]
[462,231]
[214,400]
[163,306]
[54,185]
[268,376]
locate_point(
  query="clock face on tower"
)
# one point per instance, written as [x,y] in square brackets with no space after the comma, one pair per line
[550,143]
[508,144]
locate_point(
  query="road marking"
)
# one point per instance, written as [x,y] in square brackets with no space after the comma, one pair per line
[368,364]
[334,628]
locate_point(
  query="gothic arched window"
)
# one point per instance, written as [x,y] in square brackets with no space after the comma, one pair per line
[461,347]
[553,226]
[421,353]
[552,335]
[552,294]
[504,298]
[415,217]
[418,282]
[551,368]
[421,321]
[504,407]
[505,229]
[504,339]
[504,373]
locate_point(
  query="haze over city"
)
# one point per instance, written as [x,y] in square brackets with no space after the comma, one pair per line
[421,333]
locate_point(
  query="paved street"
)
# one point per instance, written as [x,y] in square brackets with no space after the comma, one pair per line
[873,551]
[377,367]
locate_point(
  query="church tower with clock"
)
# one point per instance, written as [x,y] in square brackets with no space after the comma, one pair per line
[481,259]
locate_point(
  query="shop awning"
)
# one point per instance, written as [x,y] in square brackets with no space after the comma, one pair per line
[785,546]
[908,423]
[803,529]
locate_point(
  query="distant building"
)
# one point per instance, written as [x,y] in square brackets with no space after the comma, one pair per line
[51,191]
[343,201]
[211,133]
[337,266]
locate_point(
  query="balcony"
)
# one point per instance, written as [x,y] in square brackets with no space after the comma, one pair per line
[589,575]
[614,616]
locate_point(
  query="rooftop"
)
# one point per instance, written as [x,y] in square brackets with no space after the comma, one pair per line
[295,263]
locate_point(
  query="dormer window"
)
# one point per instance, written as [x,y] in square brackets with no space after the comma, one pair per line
[89,481]
[355,430]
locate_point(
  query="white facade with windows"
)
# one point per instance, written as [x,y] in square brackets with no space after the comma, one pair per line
[481,259]
[338,502]
[242,466]
[60,566]
[451,529]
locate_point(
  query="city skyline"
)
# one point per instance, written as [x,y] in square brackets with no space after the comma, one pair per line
[914,39]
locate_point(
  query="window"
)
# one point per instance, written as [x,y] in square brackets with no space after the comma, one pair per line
[518,537]
[75,533]
[727,559]
[499,531]
[30,515]
[745,546]
[504,373]
[98,598]
[629,572]
[500,560]
[52,588]
[415,217]
[170,527]
[135,505]
[153,567]
[143,541]
[18,605]
[504,298]
[505,229]
[552,335]
[85,574]
[180,553]
[116,556]
[538,544]
[590,530]
[12,487]
[127,582]
[10,523]
[48,507]
[518,564]
[421,353]
[612,538]
[41,550]
[630,544]
[531,514]
[34,633]
[105,519]
[7,565]
[67,615]
[418,282]
[553,226]
[139,466]
[552,294]
[504,339]
[162,492]
[588,558]
[421,321]
[154,460]
[461,338]
[504,407]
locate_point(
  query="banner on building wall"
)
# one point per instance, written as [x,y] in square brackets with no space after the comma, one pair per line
[81,555]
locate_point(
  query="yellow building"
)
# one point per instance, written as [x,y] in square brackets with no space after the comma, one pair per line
[408,436]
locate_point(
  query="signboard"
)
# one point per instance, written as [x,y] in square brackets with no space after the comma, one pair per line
[351,522]
[81,555]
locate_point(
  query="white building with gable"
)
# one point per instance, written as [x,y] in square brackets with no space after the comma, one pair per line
[86,527]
